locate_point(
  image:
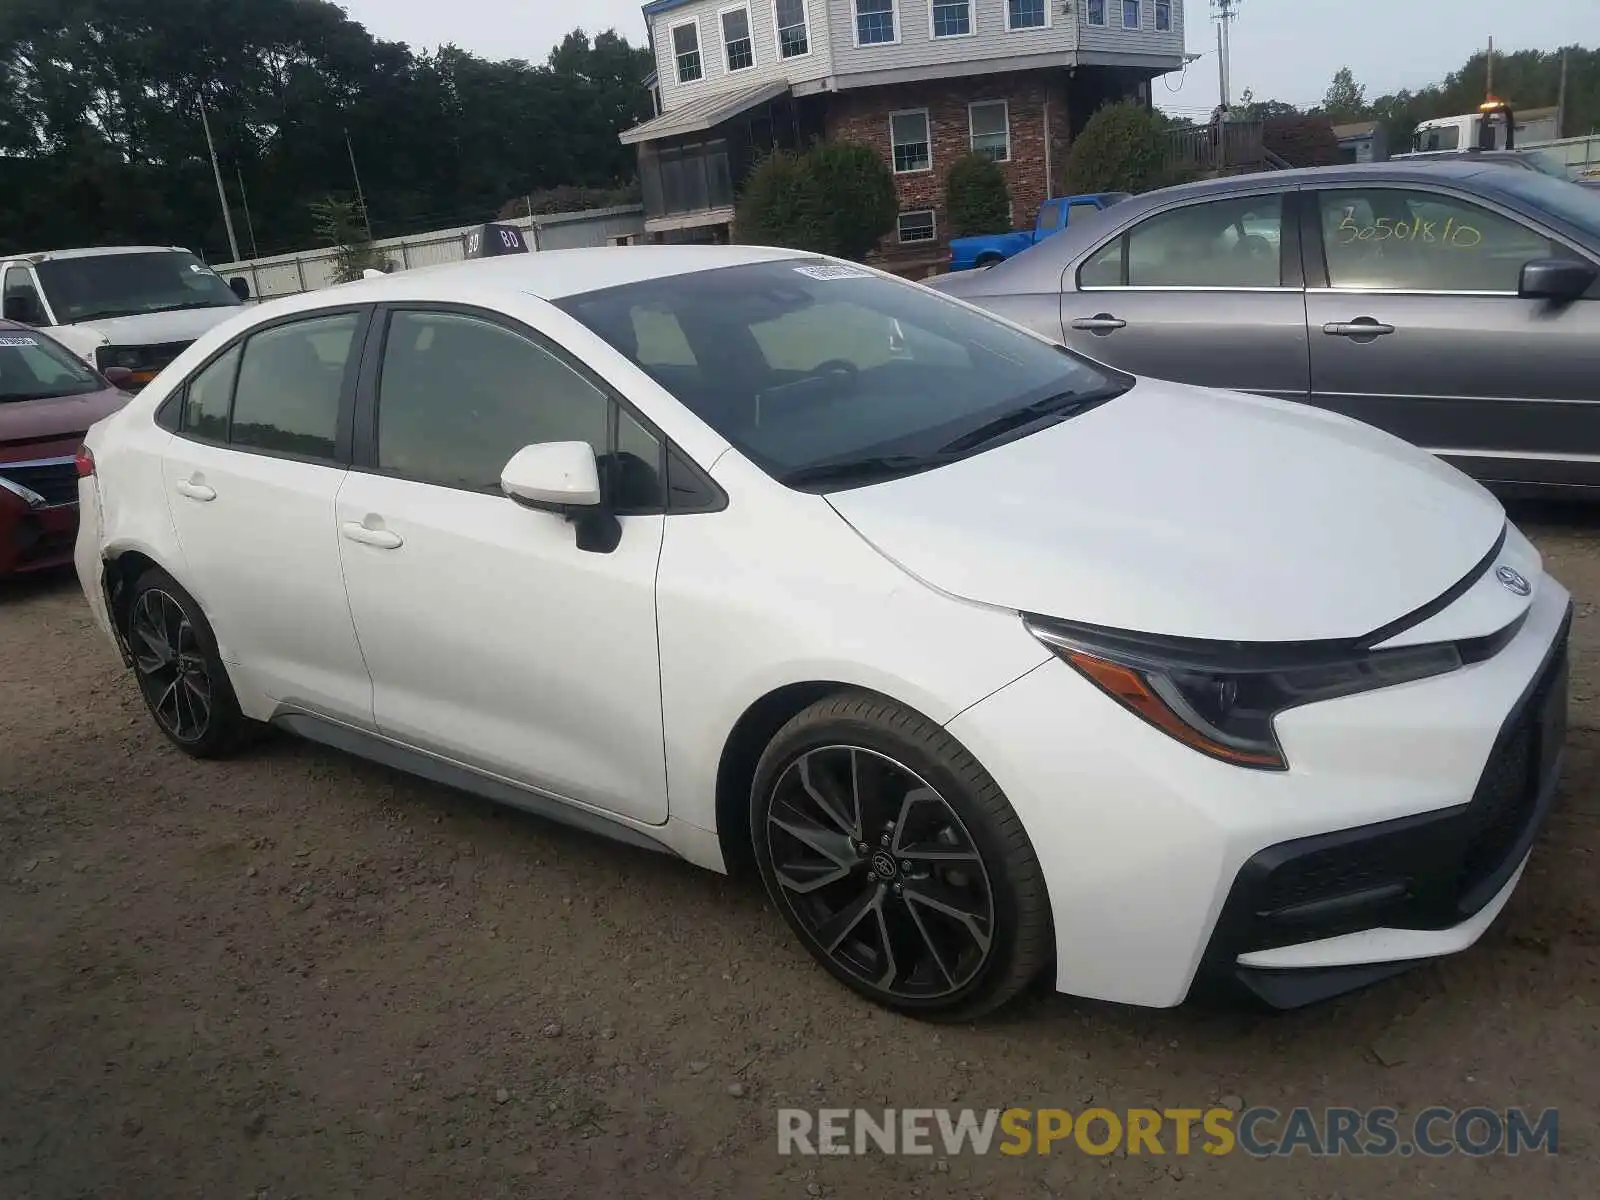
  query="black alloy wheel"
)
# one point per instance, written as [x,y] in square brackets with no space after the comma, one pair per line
[897,860]
[173,673]
[881,872]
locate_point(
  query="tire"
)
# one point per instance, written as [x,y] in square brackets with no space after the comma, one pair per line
[874,828]
[989,260]
[188,693]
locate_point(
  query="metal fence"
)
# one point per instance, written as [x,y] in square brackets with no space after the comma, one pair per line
[307,270]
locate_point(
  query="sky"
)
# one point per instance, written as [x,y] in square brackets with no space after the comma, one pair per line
[1282,49]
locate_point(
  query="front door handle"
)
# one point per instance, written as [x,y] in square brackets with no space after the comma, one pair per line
[382,539]
[1100,323]
[1361,327]
[195,491]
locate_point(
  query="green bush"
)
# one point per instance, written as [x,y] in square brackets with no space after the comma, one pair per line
[856,191]
[778,206]
[837,198]
[976,197]
[1121,149]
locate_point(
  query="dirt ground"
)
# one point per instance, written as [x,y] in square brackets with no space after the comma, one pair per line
[301,975]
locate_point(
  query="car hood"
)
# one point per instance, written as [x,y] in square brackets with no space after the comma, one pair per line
[25,424]
[157,328]
[1192,513]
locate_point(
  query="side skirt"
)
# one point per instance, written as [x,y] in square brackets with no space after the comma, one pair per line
[450,774]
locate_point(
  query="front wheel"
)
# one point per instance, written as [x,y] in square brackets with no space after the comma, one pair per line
[897,859]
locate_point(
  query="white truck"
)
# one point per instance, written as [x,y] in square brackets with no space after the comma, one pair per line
[137,307]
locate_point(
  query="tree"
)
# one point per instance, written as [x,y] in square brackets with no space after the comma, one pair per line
[1346,100]
[855,192]
[1122,149]
[779,206]
[339,224]
[976,197]
[1251,109]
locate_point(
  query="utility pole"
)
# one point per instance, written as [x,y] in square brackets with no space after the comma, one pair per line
[250,226]
[1488,86]
[222,195]
[1225,12]
[1561,98]
[361,198]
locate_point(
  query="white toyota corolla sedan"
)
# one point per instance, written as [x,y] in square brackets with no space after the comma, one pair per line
[992,659]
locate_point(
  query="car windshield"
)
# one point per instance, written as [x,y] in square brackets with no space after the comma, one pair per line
[35,368]
[809,364]
[1577,206]
[98,286]
[1548,164]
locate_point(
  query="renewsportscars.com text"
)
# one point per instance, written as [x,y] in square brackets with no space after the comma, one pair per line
[1258,1132]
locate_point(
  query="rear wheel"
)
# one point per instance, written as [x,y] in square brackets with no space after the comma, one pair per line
[180,674]
[897,860]
[989,260]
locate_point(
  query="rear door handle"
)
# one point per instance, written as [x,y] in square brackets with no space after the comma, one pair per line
[1099,323]
[195,491]
[382,539]
[1361,327]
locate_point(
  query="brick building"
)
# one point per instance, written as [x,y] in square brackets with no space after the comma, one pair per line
[924,82]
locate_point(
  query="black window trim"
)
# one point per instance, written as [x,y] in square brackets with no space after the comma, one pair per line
[364,456]
[1319,279]
[1290,274]
[169,415]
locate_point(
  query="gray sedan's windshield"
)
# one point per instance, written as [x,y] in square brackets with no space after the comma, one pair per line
[805,363]
[1561,198]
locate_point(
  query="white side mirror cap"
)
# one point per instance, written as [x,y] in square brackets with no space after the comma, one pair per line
[553,475]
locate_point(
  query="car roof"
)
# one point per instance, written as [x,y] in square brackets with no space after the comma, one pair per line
[89,252]
[557,274]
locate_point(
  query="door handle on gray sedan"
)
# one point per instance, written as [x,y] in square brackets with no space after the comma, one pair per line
[195,491]
[1099,323]
[1361,327]
[382,539]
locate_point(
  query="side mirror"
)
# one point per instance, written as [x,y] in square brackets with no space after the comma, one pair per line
[240,286]
[121,377]
[1559,279]
[20,310]
[558,477]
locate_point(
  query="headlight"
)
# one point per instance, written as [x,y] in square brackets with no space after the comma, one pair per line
[118,356]
[1221,698]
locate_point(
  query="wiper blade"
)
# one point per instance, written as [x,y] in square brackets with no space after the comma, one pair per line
[192,304]
[1063,405]
[871,466]
[105,314]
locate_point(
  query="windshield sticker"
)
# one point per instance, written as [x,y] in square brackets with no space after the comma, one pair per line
[17,340]
[834,271]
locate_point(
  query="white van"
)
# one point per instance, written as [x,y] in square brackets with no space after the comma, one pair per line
[137,307]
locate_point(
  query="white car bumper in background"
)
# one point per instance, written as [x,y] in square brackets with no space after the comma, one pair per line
[1398,832]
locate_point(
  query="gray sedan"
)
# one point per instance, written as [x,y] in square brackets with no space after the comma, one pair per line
[1456,305]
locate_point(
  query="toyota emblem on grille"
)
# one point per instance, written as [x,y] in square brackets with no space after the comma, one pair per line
[1513,581]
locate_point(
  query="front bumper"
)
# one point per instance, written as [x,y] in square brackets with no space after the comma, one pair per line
[1397,834]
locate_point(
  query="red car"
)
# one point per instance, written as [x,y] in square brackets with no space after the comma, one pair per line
[48,399]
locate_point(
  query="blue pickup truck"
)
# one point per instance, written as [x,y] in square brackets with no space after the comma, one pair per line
[969,253]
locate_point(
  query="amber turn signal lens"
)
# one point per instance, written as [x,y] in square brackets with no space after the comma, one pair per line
[1129,689]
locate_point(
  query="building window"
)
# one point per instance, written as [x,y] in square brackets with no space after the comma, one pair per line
[686,46]
[952,18]
[918,226]
[794,32]
[1027,14]
[875,22]
[1164,16]
[1130,14]
[991,129]
[736,42]
[1095,12]
[908,134]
